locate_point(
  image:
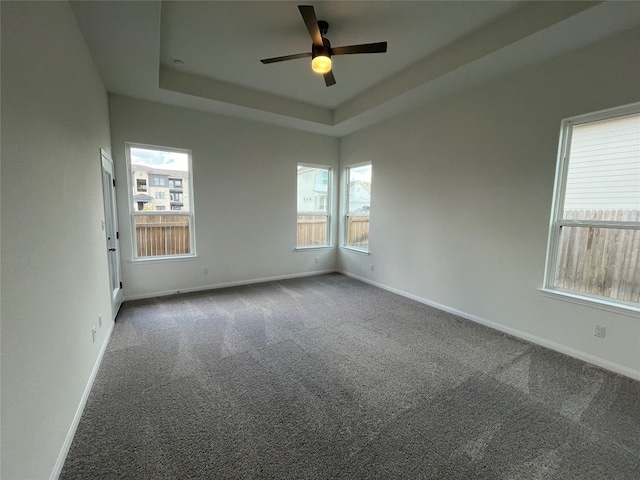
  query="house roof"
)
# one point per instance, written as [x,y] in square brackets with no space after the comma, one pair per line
[141,197]
[161,171]
[366,185]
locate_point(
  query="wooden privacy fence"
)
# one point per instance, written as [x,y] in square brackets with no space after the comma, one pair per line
[162,235]
[600,261]
[358,231]
[312,230]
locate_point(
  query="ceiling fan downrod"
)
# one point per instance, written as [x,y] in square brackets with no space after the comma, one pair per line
[323,26]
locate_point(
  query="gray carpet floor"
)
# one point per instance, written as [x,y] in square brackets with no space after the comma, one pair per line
[328,377]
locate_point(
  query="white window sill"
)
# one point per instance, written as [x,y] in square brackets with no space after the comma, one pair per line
[355,250]
[593,302]
[173,258]
[313,248]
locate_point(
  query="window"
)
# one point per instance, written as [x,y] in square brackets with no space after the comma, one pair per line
[175,183]
[357,207]
[594,240]
[141,185]
[156,234]
[314,192]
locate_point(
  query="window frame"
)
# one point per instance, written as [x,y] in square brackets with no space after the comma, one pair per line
[345,208]
[557,220]
[328,210]
[135,258]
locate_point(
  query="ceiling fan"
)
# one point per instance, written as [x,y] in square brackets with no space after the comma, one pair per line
[321,50]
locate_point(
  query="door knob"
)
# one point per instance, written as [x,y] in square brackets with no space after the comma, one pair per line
[112,249]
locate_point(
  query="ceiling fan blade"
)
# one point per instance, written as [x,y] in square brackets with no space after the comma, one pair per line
[286,57]
[310,20]
[379,47]
[329,79]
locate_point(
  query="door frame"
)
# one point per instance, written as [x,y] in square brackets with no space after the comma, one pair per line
[112,234]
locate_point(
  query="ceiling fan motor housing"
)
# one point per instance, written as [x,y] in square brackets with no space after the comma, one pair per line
[324,50]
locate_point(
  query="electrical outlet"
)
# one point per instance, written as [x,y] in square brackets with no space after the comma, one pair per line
[599,331]
[372,268]
[93,334]
[206,271]
[316,259]
[100,321]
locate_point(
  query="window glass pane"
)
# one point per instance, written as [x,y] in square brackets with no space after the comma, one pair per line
[358,231]
[313,195]
[312,230]
[600,194]
[313,188]
[161,206]
[358,206]
[359,194]
[155,169]
[164,234]
[604,166]
[599,261]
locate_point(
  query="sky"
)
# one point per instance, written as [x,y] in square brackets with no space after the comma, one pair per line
[361,173]
[357,173]
[160,159]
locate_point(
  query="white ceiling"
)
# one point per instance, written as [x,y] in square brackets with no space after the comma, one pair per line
[434,48]
[226,40]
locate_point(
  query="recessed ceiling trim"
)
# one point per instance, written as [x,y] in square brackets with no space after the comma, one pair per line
[190,84]
[504,31]
[124,40]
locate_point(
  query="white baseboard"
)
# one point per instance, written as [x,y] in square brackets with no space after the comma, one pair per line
[226,284]
[543,342]
[57,469]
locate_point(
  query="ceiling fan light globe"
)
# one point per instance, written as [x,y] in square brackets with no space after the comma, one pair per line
[321,64]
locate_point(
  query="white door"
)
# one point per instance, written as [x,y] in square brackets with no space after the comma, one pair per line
[111,231]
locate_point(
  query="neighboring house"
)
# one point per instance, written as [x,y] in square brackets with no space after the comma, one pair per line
[603,170]
[159,189]
[312,192]
[312,189]
[360,197]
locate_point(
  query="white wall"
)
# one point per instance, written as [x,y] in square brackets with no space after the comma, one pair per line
[245,178]
[461,201]
[54,265]
[462,193]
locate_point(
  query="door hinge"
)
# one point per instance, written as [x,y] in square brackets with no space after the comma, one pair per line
[114,181]
[117,235]
[120,284]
